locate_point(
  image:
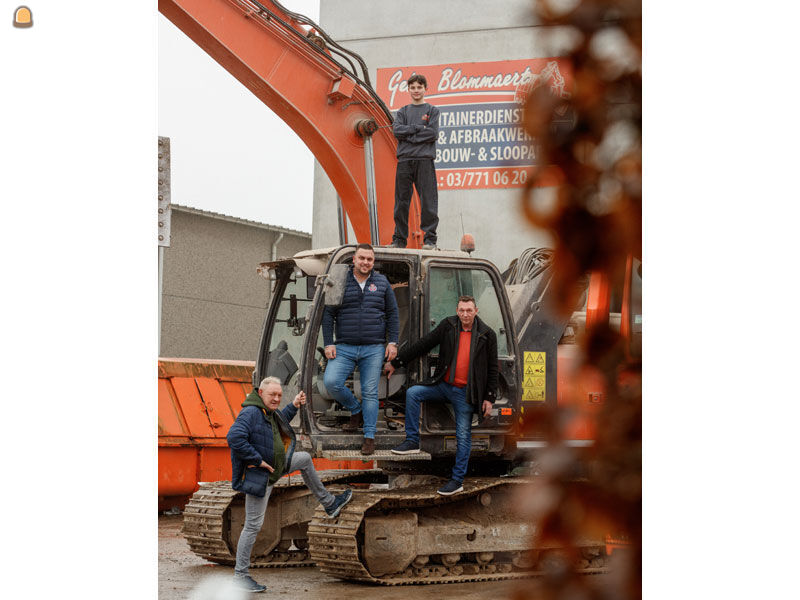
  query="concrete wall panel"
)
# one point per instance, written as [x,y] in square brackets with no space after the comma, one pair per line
[198,328]
[347,20]
[214,301]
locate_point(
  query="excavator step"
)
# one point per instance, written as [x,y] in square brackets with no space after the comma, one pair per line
[382,455]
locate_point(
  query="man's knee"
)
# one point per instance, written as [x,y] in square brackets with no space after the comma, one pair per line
[334,379]
[253,525]
[414,393]
[369,386]
[301,460]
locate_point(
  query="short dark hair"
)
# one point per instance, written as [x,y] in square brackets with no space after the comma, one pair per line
[365,247]
[417,78]
[467,299]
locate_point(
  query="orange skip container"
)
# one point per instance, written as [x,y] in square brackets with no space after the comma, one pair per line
[198,400]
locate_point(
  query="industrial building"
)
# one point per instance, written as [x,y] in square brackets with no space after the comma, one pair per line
[213,300]
[481,165]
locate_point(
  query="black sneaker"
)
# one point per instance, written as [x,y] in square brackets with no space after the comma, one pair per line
[450,488]
[407,447]
[248,584]
[338,503]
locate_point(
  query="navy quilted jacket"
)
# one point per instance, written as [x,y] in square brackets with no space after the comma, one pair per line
[368,317]
[250,440]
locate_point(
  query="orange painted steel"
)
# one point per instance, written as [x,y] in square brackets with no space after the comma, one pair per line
[598,301]
[306,88]
[197,403]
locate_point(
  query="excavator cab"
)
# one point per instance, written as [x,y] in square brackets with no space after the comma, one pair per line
[398,529]
[427,285]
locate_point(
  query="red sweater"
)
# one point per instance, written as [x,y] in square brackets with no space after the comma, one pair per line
[462,360]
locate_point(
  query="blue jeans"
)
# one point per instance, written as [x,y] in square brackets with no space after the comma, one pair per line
[458,398]
[369,359]
[255,508]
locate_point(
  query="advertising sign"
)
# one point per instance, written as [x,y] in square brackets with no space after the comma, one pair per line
[480,143]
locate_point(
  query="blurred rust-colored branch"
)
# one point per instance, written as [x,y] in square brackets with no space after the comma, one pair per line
[590,141]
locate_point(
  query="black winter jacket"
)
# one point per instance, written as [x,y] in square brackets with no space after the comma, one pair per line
[482,375]
[368,317]
[250,440]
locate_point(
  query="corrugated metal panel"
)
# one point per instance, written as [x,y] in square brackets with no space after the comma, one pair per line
[169,419]
[192,407]
[236,392]
[216,404]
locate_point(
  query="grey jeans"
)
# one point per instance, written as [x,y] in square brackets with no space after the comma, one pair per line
[255,508]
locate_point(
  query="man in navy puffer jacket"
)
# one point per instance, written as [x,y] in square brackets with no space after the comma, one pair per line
[262,450]
[366,319]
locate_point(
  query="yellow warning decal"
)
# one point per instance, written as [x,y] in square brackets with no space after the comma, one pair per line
[534,377]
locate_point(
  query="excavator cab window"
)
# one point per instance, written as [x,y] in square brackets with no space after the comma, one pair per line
[289,325]
[447,284]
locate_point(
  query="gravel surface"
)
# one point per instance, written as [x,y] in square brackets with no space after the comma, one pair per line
[184,576]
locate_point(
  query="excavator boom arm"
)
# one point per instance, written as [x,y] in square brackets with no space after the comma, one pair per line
[323,101]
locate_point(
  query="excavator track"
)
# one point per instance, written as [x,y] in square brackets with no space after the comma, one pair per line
[336,545]
[207,521]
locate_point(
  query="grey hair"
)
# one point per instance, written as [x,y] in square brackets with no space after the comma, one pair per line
[266,381]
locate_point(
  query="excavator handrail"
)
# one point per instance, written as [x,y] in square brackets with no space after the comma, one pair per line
[328,40]
[364,80]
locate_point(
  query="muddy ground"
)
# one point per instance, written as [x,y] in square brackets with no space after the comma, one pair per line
[180,573]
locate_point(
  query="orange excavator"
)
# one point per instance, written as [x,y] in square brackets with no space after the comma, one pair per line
[397,530]
[323,92]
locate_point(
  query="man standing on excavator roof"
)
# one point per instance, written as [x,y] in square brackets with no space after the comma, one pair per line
[416,127]
[365,320]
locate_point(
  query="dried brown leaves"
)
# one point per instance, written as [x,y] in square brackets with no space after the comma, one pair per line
[591,141]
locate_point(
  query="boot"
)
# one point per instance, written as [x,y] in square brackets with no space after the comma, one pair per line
[368,447]
[354,423]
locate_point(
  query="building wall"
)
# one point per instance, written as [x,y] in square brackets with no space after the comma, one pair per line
[421,32]
[214,302]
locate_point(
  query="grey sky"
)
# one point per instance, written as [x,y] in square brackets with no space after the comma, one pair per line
[230,153]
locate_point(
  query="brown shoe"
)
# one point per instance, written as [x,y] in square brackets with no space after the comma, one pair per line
[368,447]
[354,423]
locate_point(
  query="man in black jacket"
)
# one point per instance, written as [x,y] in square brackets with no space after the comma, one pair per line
[262,450]
[466,376]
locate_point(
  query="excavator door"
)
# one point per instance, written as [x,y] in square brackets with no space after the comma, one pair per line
[445,280]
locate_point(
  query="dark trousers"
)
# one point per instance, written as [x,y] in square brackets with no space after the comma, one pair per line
[421,174]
